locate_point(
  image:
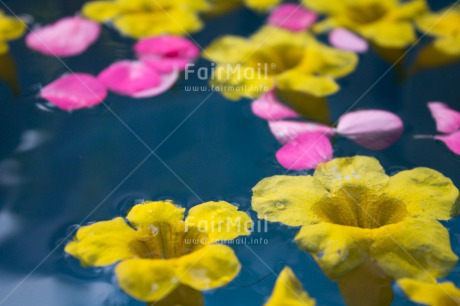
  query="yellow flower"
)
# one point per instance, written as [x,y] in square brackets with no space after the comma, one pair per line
[361,225]
[432,294]
[158,252]
[277,58]
[10,28]
[387,23]
[143,18]
[445,27]
[223,6]
[261,5]
[288,291]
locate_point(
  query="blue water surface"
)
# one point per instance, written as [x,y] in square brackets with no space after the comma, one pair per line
[58,169]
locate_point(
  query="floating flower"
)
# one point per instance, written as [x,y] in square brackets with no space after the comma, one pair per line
[144,18]
[292,17]
[67,37]
[307,144]
[447,122]
[157,252]
[137,79]
[363,227]
[387,24]
[10,28]
[432,294]
[288,291]
[166,53]
[275,58]
[75,91]
[262,5]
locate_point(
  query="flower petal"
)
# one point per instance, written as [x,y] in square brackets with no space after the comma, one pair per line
[167,80]
[220,220]
[208,268]
[288,199]
[426,193]
[359,170]
[447,119]
[103,243]
[346,40]
[317,86]
[372,129]
[101,11]
[183,296]
[440,294]
[147,279]
[288,291]
[130,78]
[228,49]
[286,131]
[452,141]
[166,53]
[416,248]
[143,216]
[261,5]
[75,91]
[67,37]
[12,27]
[393,34]
[292,17]
[336,248]
[306,151]
[269,108]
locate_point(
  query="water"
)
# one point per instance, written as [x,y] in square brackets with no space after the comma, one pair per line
[57,169]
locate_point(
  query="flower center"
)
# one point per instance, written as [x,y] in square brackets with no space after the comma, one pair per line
[276,59]
[358,206]
[165,240]
[365,14]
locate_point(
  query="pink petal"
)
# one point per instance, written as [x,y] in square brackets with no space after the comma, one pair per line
[285,131]
[306,151]
[74,91]
[166,53]
[66,37]
[269,108]
[447,119]
[130,78]
[346,40]
[372,129]
[292,17]
[452,141]
[167,81]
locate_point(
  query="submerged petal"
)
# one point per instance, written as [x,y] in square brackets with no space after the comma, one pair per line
[130,78]
[288,291]
[269,108]
[433,294]
[447,119]
[452,141]
[220,220]
[66,37]
[75,91]
[103,243]
[372,129]
[425,193]
[147,279]
[208,268]
[286,131]
[288,199]
[346,40]
[306,151]
[292,17]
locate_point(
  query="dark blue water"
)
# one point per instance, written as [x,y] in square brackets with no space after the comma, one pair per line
[58,168]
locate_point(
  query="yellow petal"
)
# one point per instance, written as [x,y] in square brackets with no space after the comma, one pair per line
[325,6]
[410,10]
[261,5]
[336,248]
[210,267]
[183,296]
[449,45]
[101,11]
[415,248]
[220,220]
[358,170]
[316,86]
[3,48]
[443,24]
[147,279]
[426,193]
[228,49]
[288,291]
[143,216]
[11,27]
[103,243]
[398,34]
[288,199]
[441,294]
[431,56]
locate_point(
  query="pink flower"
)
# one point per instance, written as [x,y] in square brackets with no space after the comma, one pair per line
[292,17]
[343,39]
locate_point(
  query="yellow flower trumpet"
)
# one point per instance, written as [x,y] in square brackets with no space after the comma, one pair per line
[158,255]
[10,28]
[363,227]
